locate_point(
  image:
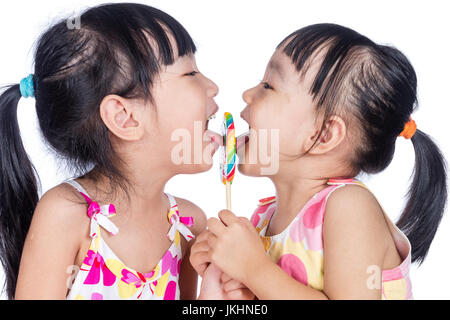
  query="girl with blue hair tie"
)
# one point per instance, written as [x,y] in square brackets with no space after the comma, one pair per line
[109,95]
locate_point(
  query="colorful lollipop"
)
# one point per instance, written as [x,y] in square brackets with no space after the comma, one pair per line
[228,165]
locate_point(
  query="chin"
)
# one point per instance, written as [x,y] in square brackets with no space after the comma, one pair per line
[195,168]
[251,170]
[245,166]
[205,167]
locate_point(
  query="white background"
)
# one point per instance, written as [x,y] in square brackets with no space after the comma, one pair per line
[235,40]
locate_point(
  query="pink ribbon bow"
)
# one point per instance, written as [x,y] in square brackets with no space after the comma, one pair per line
[180,224]
[99,215]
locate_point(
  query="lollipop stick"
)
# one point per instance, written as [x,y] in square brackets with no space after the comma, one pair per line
[228,196]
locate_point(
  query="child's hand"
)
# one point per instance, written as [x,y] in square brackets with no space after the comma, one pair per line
[235,290]
[218,286]
[235,246]
[199,257]
[211,288]
[215,284]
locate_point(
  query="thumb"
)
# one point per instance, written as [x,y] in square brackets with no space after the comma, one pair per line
[227,217]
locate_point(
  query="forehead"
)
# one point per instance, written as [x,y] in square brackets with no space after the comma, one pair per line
[170,73]
[279,64]
[282,65]
[155,46]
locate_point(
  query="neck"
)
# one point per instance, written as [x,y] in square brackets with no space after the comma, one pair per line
[145,190]
[295,185]
[294,192]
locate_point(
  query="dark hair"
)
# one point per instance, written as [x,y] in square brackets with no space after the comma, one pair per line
[117,49]
[376,86]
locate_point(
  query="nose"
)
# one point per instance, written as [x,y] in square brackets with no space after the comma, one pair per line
[213,89]
[247,95]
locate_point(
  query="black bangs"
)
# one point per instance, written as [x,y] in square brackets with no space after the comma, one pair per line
[130,21]
[114,48]
[302,45]
[373,88]
[140,35]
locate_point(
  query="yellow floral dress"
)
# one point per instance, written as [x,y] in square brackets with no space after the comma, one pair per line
[298,249]
[103,275]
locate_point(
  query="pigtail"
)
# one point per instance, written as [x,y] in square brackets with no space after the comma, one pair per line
[427,196]
[379,85]
[18,188]
[74,69]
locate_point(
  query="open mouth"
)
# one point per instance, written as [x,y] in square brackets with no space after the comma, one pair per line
[212,116]
[211,136]
[242,139]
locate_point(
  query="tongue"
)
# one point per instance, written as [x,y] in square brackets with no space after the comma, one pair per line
[242,139]
[213,135]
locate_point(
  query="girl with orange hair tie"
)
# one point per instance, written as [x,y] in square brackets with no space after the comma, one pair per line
[339,101]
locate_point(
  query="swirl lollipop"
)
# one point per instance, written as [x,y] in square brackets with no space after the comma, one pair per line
[228,164]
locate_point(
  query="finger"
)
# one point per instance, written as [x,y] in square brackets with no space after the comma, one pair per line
[199,258]
[240,294]
[227,217]
[233,285]
[202,236]
[247,223]
[200,246]
[200,261]
[215,227]
[212,240]
[201,268]
[225,277]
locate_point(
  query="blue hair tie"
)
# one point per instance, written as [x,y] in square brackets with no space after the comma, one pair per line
[27,87]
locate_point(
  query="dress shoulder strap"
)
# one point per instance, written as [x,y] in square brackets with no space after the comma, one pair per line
[336,183]
[99,215]
[79,187]
[178,223]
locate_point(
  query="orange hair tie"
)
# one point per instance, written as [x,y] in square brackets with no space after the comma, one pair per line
[409,130]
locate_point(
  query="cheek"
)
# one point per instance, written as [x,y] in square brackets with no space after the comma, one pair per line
[184,96]
[263,144]
[182,134]
[272,124]
[264,113]
[182,107]
[291,136]
[298,125]
[282,127]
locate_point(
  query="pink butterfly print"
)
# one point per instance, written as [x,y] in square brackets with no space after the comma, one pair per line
[130,278]
[98,266]
[169,262]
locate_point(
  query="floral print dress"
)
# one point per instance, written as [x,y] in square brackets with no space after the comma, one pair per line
[298,249]
[103,275]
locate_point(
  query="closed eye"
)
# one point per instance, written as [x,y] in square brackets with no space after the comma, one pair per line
[191,74]
[267,86]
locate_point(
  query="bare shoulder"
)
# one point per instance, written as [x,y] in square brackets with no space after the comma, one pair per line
[355,211]
[189,209]
[57,229]
[354,201]
[355,237]
[63,210]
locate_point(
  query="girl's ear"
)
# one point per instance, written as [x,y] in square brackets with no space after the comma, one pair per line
[121,117]
[332,135]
